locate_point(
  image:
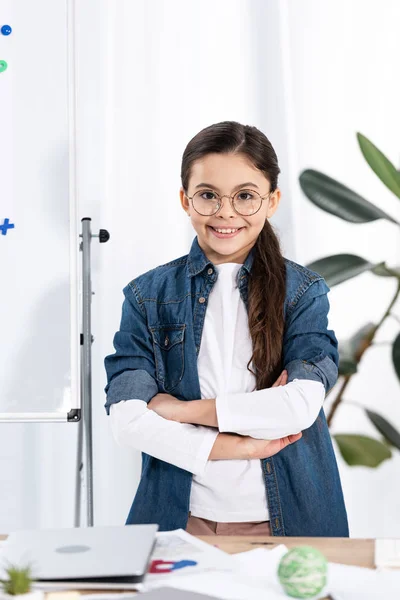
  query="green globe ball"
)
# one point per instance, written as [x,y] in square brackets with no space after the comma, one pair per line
[302,572]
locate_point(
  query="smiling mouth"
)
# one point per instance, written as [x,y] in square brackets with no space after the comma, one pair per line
[225,232]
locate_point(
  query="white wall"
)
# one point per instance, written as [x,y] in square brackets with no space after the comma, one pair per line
[309,75]
[150,75]
[343,59]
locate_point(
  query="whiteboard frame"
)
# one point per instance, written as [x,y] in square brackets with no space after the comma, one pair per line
[74,414]
[37,417]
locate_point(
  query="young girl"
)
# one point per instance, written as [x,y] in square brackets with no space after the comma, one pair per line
[222,362]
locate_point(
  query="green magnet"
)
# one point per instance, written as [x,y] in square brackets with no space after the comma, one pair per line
[3,65]
[303,572]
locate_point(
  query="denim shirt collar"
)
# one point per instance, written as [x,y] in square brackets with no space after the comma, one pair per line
[198,261]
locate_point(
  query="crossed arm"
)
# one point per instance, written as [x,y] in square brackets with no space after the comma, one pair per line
[206,429]
[250,425]
[263,414]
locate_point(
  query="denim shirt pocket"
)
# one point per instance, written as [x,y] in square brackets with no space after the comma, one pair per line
[168,343]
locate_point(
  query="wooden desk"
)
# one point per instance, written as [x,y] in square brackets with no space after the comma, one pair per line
[348,551]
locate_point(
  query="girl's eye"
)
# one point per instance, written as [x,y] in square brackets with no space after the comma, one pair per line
[245,196]
[208,195]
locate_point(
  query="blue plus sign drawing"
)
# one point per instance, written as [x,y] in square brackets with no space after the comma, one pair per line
[6,225]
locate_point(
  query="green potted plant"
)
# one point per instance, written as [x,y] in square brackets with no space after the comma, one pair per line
[18,582]
[338,200]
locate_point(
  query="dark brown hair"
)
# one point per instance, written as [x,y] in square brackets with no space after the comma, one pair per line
[267,281]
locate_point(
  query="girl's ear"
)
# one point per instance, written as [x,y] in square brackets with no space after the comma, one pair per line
[184,201]
[273,202]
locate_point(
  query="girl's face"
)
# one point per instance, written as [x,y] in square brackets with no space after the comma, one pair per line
[227,174]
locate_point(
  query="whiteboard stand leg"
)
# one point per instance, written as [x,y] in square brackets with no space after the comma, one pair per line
[79,466]
[86,370]
[79,475]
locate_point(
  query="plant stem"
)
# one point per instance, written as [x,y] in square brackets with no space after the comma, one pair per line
[389,309]
[338,399]
[347,378]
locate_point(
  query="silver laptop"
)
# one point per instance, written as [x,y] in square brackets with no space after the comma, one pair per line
[83,557]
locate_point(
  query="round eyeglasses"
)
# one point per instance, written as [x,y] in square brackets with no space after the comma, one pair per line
[244,202]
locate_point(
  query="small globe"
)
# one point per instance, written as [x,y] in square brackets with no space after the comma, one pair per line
[303,572]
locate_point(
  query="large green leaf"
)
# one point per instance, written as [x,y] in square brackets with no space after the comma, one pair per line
[385,428]
[347,365]
[362,450]
[340,267]
[396,355]
[382,270]
[339,200]
[351,349]
[381,165]
[360,339]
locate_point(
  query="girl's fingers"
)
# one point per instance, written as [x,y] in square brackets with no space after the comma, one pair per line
[277,382]
[275,446]
[282,379]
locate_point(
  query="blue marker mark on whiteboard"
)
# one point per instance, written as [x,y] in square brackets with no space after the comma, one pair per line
[6,225]
[6,30]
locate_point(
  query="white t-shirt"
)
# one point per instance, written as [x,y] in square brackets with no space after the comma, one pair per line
[223,490]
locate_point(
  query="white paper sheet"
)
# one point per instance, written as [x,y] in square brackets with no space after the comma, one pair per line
[357,583]
[180,554]
[246,576]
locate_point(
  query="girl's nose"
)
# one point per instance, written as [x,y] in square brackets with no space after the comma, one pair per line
[226,210]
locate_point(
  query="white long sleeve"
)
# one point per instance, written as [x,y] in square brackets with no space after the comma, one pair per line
[271,413]
[180,444]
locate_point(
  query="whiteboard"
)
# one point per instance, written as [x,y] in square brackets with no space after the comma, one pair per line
[39,329]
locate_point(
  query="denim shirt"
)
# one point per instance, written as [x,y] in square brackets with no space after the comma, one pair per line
[156,351]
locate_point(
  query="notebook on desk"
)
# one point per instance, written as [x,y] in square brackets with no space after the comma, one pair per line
[79,558]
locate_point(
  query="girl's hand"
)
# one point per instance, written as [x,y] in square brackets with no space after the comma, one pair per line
[166,406]
[265,448]
[282,379]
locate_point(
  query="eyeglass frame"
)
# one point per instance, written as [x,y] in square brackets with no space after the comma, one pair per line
[231,201]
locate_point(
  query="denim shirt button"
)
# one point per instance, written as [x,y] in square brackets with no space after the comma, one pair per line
[202,300]
[210,271]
